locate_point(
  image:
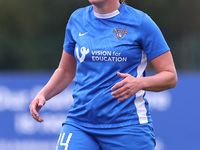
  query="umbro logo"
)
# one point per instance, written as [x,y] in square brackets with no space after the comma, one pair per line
[82,34]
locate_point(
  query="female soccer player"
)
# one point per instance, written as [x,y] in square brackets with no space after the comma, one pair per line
[107,46]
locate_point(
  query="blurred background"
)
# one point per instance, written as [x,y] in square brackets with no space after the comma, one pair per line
[31,39]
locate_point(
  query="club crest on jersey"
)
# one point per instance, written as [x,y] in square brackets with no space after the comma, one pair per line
[120,32]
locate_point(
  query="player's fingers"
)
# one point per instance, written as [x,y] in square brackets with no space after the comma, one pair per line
[120,94]
[117,85]
[121,83]
[124,98]
[40,119]
[34,109]
[119,91]
[122,75]
[36,116]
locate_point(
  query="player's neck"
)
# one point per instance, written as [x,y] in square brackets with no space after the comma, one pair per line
[106,7]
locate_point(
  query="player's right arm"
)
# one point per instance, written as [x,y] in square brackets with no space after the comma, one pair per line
[61,78]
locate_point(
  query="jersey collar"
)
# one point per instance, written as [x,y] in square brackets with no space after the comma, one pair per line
[107,16]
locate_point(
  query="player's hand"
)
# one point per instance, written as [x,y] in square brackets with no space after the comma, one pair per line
[127,87]
[35,107]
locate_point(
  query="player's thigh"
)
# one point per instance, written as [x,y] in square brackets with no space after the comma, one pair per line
[129,138]
[72,138]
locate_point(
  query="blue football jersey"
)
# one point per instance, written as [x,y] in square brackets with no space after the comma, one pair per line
[104,44]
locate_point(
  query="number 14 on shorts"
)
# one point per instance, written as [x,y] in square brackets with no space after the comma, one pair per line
[63,143]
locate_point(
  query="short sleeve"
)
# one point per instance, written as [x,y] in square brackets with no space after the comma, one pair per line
[152,39]
[69,42]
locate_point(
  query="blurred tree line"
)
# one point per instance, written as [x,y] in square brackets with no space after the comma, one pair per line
[32,32]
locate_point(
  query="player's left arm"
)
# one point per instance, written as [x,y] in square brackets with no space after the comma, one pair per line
[165,78]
